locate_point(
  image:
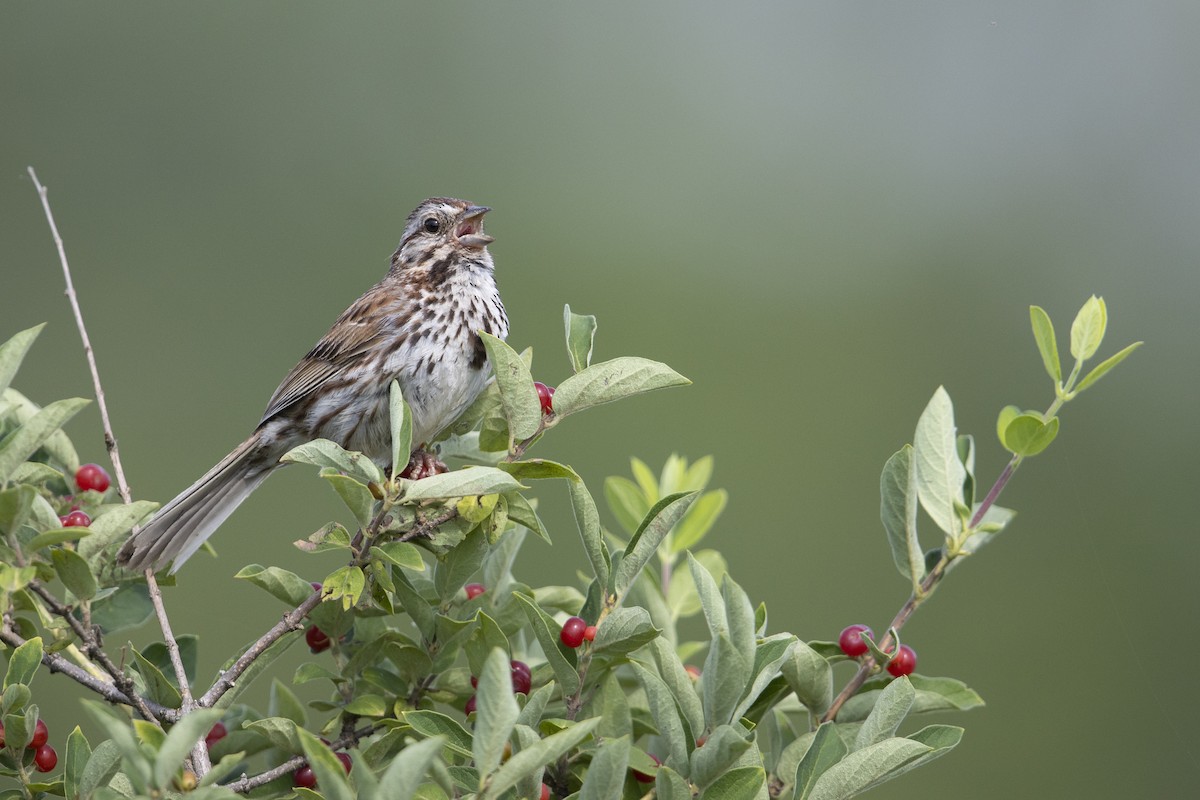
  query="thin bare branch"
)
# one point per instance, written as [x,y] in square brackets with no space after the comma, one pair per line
[248,782]
[109,691]
[110,441]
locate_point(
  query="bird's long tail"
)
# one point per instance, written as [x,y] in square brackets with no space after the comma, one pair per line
[180,527]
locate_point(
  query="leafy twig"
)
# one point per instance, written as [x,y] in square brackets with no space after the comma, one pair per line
[248,782]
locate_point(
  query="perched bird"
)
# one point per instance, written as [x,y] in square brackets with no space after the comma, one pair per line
[419,326]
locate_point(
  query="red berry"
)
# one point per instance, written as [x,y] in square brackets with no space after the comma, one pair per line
[474,590]
[45,758]
[474,682]
[469,708]
[305,778]
[92,476]
[316,586]
[1,734]
[589,633]
[346,762]
[216,734]
[544,393]
[545,792]
[76,519]
[318,642]
[904,662]
[522,678]
[851,640]
[40,735]
[572,632]
[643,777]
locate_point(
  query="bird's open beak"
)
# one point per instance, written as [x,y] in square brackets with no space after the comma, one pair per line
[470,228]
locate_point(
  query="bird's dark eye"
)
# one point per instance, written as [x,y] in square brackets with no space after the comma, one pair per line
[431,224]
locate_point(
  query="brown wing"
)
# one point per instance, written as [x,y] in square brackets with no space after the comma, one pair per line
[352,336]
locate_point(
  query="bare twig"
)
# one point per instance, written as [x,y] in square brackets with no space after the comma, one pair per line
[290,622]
[248,782]
[110,441]
[109,691]
[122,681]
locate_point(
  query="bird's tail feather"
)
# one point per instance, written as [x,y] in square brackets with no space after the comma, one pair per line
[180,527]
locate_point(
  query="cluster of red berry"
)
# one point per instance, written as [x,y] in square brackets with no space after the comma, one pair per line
[522,681]
[89,477]
[44,756]
[576,631]
[904,662]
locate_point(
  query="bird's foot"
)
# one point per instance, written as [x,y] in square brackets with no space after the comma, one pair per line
[422,464]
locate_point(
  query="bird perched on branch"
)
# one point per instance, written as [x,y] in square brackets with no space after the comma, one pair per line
[419,326]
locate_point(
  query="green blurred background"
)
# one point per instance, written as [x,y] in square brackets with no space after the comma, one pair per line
[818,212]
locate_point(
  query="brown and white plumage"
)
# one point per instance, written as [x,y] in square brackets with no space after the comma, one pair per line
[419,326]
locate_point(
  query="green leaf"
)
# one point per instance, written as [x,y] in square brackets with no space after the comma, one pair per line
[401,420]
[137,766]
[25,440]
[682,596]
[1027,434]
[538,469]
[725,745]
[324,453]
[522,512]
[644,544]
[522,408]
[744,783]
[581,333]
[460,564]
[726,674]
[1087,331]
[711,599]
[605,777]
[740,614]
[891,707]
[408,769]
[112,526]
[613,380]
[23,663]
[54,537]
[669,785]
[827,749]
[623,631]
[355,495]
[940,473]
[179,743]
[587,519]
[1043,334]
[679,683]
[346,583]
[898,511]
[666,718]
[159,689]
[547,634]
[74,572]
[13,351]
[283,703]
[331,775]
[1102,369]
[128,607]
[75,762]
[496,712]
[279,583]
[932,694]
[461,483]
[101,765]
[536,756]
[432,724]
[14,579]
[810,676]
[15,504]
[864,768]
[698,521]
[626,502]
[769,658]
[402,554]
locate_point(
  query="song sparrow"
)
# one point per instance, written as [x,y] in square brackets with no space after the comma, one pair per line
[417,326]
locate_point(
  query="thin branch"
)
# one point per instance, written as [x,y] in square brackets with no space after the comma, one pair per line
[109,691]
[123,682]
[248,782]
[110,441]
[290,622]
